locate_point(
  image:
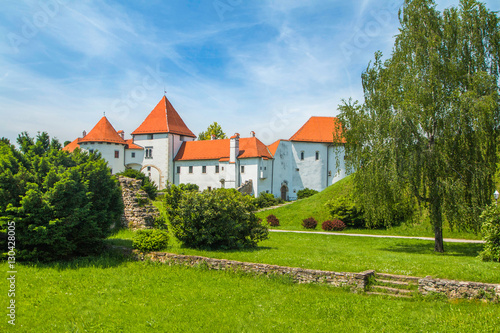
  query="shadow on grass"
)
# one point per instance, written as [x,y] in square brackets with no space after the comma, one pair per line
[451,249]
[249,250]
[120,242]
[110,257]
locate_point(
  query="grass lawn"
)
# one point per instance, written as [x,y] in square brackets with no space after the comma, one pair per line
[356,254]
[292,215]
[110,294]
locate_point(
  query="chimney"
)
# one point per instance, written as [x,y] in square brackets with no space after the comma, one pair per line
[252,134]
[121,134]
[234,147]
[84,133]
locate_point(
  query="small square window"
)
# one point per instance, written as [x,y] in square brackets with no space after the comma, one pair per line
[242,169]
[178,169]
[133,155]
[204,169]
[190,169]
[117,154]
[209,188]
[149,168]
[216,169]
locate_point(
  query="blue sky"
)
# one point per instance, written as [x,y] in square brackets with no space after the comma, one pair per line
[260,65]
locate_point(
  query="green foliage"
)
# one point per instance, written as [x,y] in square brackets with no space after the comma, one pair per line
[490,229]
[189,187]
[309,223]
[344,208]
[266,200]
[219,219]
[428,126]
[62,204]
[150,240]
[273,220]
[305,193]
[148,186]
[215,130]
[335,225]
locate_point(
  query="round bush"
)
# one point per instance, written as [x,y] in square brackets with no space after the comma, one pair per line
[490,219]
[273,221]
[335,225]
[309,223]
[150,240]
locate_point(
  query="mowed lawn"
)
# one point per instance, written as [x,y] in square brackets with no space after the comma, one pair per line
[357,254]
[114,295]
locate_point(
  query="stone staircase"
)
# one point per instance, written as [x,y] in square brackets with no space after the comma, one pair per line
[393,285]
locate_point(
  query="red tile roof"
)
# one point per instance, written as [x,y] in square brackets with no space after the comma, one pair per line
[164,119]
[219,150]
[72,146]
[273,147]
[103,132]
[317,129]
[132,145]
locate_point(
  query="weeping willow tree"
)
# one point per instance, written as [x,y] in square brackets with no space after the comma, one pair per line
[429,123]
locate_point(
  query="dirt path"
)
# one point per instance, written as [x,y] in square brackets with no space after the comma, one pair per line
[446,240]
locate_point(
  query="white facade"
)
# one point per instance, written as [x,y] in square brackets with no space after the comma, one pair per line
[113,153]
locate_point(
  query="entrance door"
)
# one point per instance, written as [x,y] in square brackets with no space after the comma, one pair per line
[284,189]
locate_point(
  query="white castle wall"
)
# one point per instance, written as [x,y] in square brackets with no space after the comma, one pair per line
[107,151]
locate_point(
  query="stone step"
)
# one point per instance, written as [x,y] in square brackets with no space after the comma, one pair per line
[389,290]
[390,295]
[400,278]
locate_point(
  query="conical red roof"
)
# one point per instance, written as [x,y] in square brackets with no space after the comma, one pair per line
[103,132]
[164,119]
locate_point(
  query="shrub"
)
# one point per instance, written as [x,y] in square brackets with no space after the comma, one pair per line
[343,208]
[266,200]
[220,219]
[150,240]
[63,205]
[189,187]
[148,186]
[307,192]
[273,221]
[334,225]
[309,223]
[490,229]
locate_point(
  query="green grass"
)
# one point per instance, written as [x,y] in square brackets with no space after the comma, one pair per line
[292,215]
[109,294]
[356,254]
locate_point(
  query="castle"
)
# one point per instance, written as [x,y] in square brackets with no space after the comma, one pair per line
[166,150]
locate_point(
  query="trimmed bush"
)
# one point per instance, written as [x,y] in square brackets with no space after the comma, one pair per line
[334,225]
[266,200]
[273,221]
[307,192]
[344,209]
[309,223]
[219,219]
[490,229]
[150,240]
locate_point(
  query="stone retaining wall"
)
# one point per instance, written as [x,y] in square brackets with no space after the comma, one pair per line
[357,281]
[139,212]
[460,289]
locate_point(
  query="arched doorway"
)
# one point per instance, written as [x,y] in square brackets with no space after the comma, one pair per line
[284,191]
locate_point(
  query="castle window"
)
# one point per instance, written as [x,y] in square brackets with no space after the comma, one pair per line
[317,155]
[150,136]
[242,169]
[209,188]
[149,152]
[91,151]
[133,155]
[149,168]
[190,169]
[302,155]
[117,154]
[216,169]
[204,169]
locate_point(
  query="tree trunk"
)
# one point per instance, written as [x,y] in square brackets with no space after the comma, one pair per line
[436,218]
